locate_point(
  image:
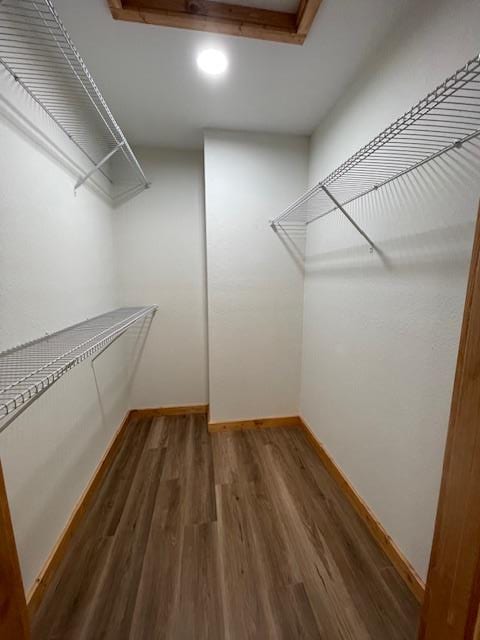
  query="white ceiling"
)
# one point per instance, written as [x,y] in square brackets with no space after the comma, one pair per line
[149,77]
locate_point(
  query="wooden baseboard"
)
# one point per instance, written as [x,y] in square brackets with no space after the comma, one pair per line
[406,571]
[170,411]
[259,423]
[40,585]
[396,557]
[37,591]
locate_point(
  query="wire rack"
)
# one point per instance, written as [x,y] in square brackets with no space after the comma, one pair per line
[27,370]
[444,120]
[37,51]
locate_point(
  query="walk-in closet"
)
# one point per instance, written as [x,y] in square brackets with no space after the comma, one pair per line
[239,320]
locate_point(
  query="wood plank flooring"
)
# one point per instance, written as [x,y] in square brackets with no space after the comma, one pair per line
[238,535]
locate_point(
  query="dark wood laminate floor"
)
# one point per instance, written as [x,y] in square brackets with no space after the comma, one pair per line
[236,535]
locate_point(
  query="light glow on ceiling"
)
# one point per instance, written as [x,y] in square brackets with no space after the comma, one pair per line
[212,61]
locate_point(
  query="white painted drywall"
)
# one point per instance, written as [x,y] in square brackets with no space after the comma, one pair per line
[380,337]
[160,242]
[255,279]
[56,268]
[59,265]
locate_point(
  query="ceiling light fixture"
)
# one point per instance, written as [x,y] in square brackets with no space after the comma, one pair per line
[212,61]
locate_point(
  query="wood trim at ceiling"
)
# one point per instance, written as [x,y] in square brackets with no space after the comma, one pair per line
[452,597]
[221,17]
[306,13]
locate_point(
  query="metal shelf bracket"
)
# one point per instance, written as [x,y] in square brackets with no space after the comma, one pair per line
[349,218]
[82,180]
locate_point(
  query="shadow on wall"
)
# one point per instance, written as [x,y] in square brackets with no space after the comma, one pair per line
[422,220]
[135,339]
[127,195]
[293,238]
[117,181]
[125,177]
[26,118]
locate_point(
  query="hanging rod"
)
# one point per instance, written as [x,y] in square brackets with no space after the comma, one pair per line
[37,51]
[26,371]
[444,120]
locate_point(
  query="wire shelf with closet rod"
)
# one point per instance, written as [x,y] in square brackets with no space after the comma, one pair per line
[29,369]
[36,49]
[443,121]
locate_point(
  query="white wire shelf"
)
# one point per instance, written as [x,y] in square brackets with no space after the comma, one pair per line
[37,51]
[27,370]
[444,120]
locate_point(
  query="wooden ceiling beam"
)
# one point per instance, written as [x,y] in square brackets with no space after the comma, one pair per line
[220,17]
[306,15]
[221,11]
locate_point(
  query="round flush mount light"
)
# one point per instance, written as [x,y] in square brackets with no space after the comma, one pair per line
[212,61]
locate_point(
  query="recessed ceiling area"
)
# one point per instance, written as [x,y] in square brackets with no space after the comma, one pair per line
[235,19]
[149,76]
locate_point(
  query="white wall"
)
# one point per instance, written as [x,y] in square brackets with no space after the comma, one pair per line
[381,337]
[255,280]
[56,268]
[62,259]
[160,241]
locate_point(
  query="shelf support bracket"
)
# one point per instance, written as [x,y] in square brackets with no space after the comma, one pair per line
[84,178]
[349,218]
